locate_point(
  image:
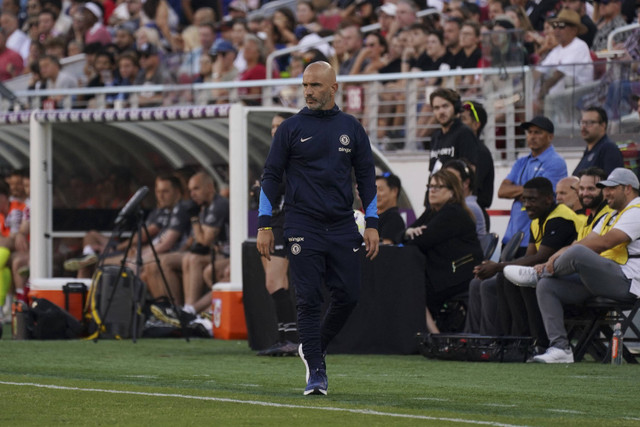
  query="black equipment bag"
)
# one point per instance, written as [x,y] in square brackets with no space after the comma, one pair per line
[475,348]
[126,304]
[47,321]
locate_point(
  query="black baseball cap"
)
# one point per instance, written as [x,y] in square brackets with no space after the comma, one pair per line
[540,121]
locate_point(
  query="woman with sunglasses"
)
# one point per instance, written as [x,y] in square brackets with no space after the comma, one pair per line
[446,235]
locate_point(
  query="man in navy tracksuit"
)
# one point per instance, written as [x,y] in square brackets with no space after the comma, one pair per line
[318,148]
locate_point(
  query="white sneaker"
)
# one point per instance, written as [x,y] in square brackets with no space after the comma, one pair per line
[521,276]
[555,355]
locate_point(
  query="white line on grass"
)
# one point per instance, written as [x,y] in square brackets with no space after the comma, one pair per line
[259,403]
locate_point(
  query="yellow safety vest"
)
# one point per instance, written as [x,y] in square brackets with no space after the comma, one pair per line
[560,211]
[618,253]
[588,228]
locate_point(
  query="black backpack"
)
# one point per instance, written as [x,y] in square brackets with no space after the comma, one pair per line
[47,321]
[125,312]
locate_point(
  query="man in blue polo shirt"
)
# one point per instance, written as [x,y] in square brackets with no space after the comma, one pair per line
[600,151]
[542,161]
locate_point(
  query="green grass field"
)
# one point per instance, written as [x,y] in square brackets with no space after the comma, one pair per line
[214,382]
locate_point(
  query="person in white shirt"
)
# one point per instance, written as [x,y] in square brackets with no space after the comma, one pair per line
[17,40]
[558,71]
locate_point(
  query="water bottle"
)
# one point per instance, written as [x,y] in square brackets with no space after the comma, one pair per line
[616,345]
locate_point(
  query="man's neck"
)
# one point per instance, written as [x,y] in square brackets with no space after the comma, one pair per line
[593,143]
[469,50]
[454,49]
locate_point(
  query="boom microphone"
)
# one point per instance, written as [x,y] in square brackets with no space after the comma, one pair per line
[132,204]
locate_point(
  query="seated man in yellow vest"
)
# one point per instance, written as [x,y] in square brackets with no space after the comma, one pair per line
[591,198]
[605,263]
[553,227]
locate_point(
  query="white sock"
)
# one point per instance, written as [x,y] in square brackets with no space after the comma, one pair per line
[88,250]
[189,308]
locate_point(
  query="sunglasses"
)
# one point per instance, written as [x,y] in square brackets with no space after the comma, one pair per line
[560,25]
[468,105]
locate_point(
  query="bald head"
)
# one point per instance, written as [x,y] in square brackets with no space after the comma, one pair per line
[567,192]
[319,83]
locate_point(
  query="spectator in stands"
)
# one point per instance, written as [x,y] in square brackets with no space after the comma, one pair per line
[33,11]
[538,11]
[451,33]
[190,67]
[567,194]
[239,30]
[553,226]
[158,15]
[601,264]
[56,46]
[391,225]
[446,234]
[496,7]
[339,52]
[453,140]
[579,6]
[306,16]
[373,54]
[168,226]
[16,8]
[46,22]
[467,178]
[610,19]
[50,71]
[224,69]
[542,161]
[506,48]
[11,63]
[544,42]
[151,73]
[134,12]
[105,66]
[406,15]
[254,54]
[591,198]
[352,39]
[559,70]
[238,9]
[386,16]
[17,40]
[128,69]
[600,151]
[124,39]
[282,34]
[190,35]
[470,55]
[475,117]
[63,21]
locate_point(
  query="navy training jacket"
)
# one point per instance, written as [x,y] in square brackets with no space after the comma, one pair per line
[318,150]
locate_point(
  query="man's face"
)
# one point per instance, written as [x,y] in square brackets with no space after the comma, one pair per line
[443,111]
[590,195]
[207,37]
[16,186]
[495,9]
[467,118]
[468,38]
[418,38]
[166,195]
[127,68]
[352,39]
[538,140]
[591,127]
[199,191]
[535,203]
[434,47]
[319,90]
[615,197]
[451,35]
[405,15]
[45,23]
[102,63]
[564,32]
[123,39]
[387,198]
[567,194]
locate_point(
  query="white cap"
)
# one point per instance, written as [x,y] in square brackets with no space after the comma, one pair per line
[95,9]
[388,8]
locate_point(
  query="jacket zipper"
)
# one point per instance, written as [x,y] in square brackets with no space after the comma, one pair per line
[461,261]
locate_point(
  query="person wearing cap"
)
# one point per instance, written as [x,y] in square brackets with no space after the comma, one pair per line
[559,70]
[386,16]
[579,6]
[95,31]
[605,263]
[224,69]
[151,73]
[600,151]
[542,161]
[610,18]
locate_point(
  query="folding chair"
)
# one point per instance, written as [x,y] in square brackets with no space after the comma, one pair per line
[594,328]
[489,242]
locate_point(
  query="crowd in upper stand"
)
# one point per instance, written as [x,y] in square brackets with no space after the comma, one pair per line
[136,42]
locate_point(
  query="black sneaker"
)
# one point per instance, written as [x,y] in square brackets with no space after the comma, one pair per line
[286,348]
[318,383]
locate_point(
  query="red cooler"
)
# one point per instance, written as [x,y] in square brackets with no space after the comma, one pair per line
[228,312]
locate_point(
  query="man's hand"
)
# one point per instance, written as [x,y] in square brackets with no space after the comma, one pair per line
[486,269]
[371,242]
[265,243]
